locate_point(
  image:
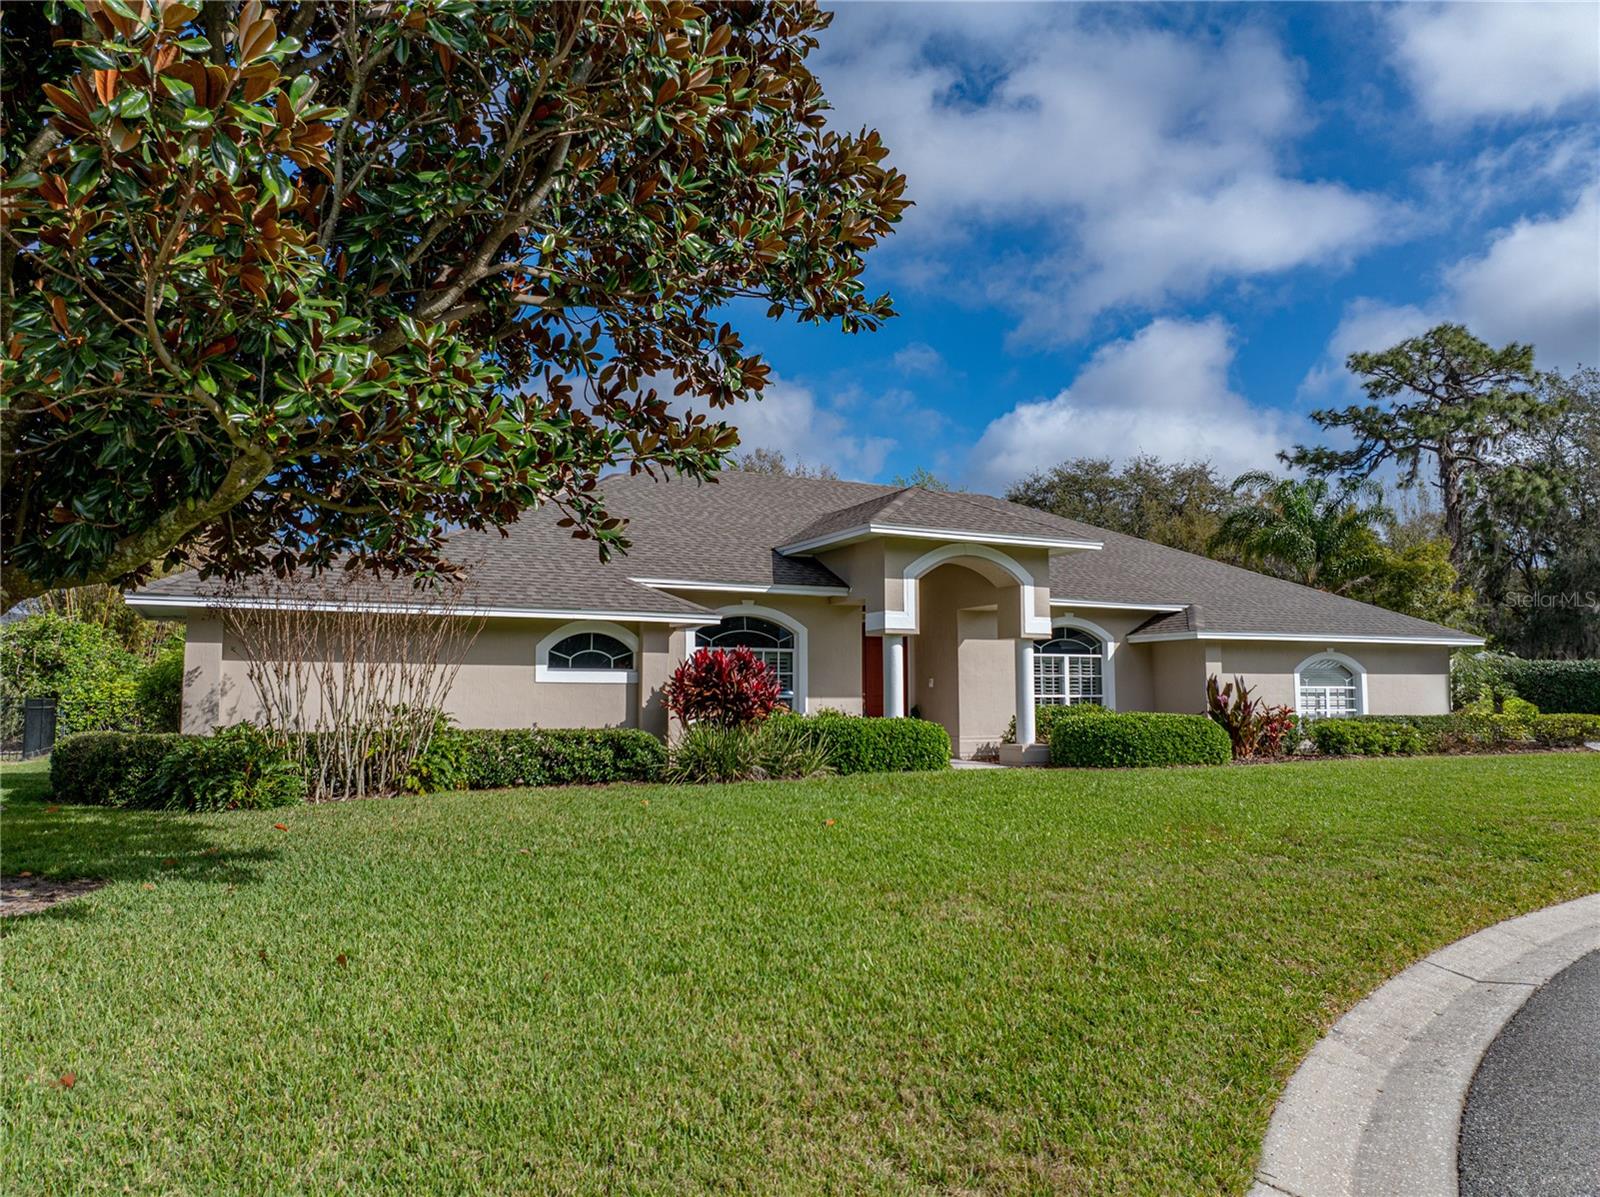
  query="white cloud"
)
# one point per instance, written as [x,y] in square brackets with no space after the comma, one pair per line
[1538,281]
[791,419]
[919,358]
[1141,164]
[1164,391]
[1469,61]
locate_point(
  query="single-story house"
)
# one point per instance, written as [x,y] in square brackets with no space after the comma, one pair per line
[875,600]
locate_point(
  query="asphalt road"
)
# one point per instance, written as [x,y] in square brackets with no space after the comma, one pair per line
[1531,1127]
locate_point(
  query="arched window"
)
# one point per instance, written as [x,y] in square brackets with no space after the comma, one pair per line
[1069,669]
[772,643]
[1327,688]
[591,650]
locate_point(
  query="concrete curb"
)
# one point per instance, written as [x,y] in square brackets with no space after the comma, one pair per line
[1375,1109]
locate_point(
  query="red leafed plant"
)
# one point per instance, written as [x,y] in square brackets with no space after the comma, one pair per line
[1256,728]
[727,688]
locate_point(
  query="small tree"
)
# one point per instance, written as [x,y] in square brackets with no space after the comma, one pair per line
[722,687]
[1304,530]
[364,676]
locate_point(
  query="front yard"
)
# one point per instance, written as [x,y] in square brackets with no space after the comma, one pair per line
[1052,980]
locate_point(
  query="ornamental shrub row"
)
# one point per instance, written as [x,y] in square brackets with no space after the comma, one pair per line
[237,769]
[498,759]
[1139,738]
[1365,737]
[1462,732]
[1555,687]
[863,744]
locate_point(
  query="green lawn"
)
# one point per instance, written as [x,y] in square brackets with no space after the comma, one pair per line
[980,981]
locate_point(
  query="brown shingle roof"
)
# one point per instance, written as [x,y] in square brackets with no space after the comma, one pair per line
[728,532]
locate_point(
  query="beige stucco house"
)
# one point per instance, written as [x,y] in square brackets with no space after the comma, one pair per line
[961,608]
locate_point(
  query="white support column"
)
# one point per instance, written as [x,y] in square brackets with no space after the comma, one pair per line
[1025,728]
[894,676]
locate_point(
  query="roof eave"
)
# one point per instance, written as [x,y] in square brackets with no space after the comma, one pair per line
[179,605]
[848,536]
[1308,637]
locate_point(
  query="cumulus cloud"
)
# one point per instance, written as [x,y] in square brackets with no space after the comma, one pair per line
[1476,61]
[1538,281]
[1163,391]
[792,420]
[1143,164]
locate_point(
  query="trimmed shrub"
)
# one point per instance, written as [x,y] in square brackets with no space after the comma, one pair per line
[1139,738]
[775,750]
[107,768]
[1045,716]
[1365,737]
[1555,687]
[1565,731]
[497,759]
[237,768]
[730,688]
[863,744]
[1464,731]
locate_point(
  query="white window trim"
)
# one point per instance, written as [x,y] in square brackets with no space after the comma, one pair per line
[1357,671]
[783,619]
[542,671]
[1108,664]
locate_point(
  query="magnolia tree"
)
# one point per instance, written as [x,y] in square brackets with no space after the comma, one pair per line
[283,284]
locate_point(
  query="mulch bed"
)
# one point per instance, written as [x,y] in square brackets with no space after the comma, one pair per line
[30,895]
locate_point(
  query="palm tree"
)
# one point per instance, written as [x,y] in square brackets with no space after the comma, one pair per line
[1305,530]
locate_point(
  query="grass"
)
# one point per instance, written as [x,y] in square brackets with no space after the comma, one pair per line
[1059,981]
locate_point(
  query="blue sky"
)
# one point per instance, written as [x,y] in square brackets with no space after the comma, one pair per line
[1161,228]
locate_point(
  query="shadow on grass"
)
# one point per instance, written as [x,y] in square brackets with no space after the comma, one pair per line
[98,843]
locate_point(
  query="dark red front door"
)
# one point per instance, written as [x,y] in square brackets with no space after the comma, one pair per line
[871,674]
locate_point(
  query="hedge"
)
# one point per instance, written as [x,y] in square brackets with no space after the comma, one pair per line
[238,768]
[1138,739]
[1365,737]
[1046,714]
[867,744]
[1555,687]
[1472,732]
[492,760]
[107,768]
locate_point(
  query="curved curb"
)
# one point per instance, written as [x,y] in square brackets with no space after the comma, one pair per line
[1375,1108]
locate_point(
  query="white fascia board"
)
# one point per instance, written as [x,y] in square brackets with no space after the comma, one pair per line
[159,602]
[1306,637]
[1097,605]
[739,587]
[862,531]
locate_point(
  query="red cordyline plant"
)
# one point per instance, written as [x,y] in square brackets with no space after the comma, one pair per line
[723,687]
[1257,729]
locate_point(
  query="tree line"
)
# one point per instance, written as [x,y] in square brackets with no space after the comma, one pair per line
[1464,490]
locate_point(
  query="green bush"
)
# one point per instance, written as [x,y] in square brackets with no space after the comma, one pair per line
[1464,731]
[1565,731]
[773,750]
[1555,687]
[862,744]
[1365,737]
[237,768]
[94,678]
[159,690]
[497,759]
[1139,738]
[106,768]
[1046,714]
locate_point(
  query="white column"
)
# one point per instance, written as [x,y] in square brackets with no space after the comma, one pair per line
[894,676]
[1025,728]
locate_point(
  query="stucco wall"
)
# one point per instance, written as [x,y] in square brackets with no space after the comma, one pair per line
[495,686]
[1401,679]
[963,673]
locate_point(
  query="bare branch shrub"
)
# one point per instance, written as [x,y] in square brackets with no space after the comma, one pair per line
[351,671]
